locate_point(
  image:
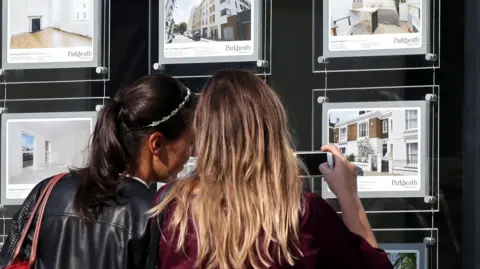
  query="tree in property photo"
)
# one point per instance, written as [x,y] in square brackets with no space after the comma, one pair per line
[404,261]
[365,150]
[180,28]
[350,158]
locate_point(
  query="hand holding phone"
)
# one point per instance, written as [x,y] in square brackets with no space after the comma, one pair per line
[312,159]
[342,179]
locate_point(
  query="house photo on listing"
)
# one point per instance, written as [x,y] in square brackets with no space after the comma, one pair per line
[386,143]
[196,31]
[45,32]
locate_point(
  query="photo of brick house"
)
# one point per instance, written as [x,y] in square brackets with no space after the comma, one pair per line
[383,142]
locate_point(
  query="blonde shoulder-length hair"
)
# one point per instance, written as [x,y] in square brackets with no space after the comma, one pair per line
[245,197]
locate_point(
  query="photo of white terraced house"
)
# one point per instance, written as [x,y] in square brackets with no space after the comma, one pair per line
[188,21]
[383,142]
[35,24]
[367,17]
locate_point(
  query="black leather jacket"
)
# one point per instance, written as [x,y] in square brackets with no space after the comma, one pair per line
[119,239]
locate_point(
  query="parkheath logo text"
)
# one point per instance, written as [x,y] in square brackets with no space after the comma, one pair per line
[406,40]
[238,48]
[80,54]
[405,183]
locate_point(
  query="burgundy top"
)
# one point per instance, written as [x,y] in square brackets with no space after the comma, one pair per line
[325,243]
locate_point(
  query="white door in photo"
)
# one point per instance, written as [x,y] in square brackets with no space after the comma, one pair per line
[57,14]
[403,11]
[228,33]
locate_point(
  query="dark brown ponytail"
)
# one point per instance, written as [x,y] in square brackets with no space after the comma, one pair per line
[119,132]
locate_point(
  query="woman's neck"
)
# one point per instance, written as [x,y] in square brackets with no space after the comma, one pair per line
[148,179]
[137,176]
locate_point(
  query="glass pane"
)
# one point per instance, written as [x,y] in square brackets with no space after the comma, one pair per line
[407,248]
[391,150]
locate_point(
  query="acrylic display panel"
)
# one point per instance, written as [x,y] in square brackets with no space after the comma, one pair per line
[36,146]
[188,49]
[375,34]
[384,176]
[387,141]
[407,248]
[409,255]
[54,40]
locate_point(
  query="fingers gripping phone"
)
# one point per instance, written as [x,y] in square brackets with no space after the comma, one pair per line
[313,159]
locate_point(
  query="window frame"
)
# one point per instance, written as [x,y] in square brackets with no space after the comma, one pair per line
[224,12]
[359,130]
[342,137]
[48,151]
[32,151]
[410,119]
[411,157]
[81,14]
[385,126]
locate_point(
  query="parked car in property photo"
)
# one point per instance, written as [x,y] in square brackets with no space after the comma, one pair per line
[196,36]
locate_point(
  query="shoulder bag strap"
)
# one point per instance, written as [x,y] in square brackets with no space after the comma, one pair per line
[155,235]
[33,255]
[26,228]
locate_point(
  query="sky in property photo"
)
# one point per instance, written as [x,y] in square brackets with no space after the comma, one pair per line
[27,142]
[181,13]
[342,115]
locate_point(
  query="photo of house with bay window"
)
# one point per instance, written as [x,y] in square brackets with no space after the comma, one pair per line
[382,142]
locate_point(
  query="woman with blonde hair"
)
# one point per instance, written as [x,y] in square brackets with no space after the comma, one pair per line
[244,207]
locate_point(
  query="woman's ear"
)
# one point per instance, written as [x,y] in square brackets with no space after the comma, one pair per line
[155,143]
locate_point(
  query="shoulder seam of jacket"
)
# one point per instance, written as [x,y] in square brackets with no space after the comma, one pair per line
[96,221]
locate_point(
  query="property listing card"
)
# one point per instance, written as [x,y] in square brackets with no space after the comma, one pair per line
[386,141]
[37,146]
[53,33]
[375,27]
[198,31]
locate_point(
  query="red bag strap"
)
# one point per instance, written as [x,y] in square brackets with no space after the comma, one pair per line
[41,202]
[33,255]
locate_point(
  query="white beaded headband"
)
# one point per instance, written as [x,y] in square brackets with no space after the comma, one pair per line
[173,113]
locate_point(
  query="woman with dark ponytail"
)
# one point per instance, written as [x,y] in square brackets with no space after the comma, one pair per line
[96,216]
